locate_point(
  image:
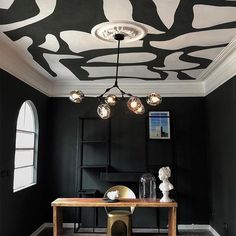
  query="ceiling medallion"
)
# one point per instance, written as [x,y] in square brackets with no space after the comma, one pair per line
[132,31]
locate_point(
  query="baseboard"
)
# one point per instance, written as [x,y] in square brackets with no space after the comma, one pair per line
[193,227]
[41,228]
[136,230]
[212,230]
[198,227]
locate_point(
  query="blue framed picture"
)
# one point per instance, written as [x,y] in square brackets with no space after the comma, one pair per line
[159,125]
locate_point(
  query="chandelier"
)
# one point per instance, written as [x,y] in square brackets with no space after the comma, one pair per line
[108,100]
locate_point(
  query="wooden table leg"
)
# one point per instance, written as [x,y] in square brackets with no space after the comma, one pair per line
[57,221]
[172,221]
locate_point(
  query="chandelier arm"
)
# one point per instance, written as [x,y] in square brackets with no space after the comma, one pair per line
[107,90]
[115,86]
[124,93]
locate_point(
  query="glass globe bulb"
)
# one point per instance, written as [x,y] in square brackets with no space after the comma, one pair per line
[76,96]
[134,103]
[104,111]
[140,110]
[154,99]
[111,99]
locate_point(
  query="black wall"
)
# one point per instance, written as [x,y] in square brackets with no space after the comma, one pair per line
[21,212]
[221,152]
[185,153]
[58,118]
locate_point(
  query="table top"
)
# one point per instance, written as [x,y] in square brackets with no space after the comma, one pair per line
[99,202]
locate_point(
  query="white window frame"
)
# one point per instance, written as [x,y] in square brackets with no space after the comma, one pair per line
[34,149]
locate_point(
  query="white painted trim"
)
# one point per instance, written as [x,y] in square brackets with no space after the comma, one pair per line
[220,70]
[47,225]
[40,229]
[218,60]
[142,89]
[136,230]
[193,227]
[12,62]
[199,227]
[213,231]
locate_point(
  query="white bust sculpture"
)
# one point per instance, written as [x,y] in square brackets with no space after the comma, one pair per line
[165,186]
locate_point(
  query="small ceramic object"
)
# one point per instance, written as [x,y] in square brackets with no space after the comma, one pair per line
[113,195]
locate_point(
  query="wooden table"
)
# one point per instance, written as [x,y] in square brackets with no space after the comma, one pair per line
[59,203]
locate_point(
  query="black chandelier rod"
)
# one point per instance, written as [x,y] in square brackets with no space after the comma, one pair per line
[117,37]
[117,64]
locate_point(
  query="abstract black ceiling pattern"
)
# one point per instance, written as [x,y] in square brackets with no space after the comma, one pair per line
[183,37]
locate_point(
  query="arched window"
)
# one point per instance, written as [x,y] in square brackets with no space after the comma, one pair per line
[25,170]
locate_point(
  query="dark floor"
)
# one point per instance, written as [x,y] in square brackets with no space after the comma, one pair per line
[69,232]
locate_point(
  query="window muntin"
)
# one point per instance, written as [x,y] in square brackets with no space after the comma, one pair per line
[24,158]
[25,170]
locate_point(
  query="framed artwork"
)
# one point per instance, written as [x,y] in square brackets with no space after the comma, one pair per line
[159,125]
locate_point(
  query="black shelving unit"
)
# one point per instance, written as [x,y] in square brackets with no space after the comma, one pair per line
[120,176]
[91,139]
[94,167]
[85,193]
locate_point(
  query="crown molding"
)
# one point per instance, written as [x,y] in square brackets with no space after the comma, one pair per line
[12,62]
[135,87]
[220,70]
